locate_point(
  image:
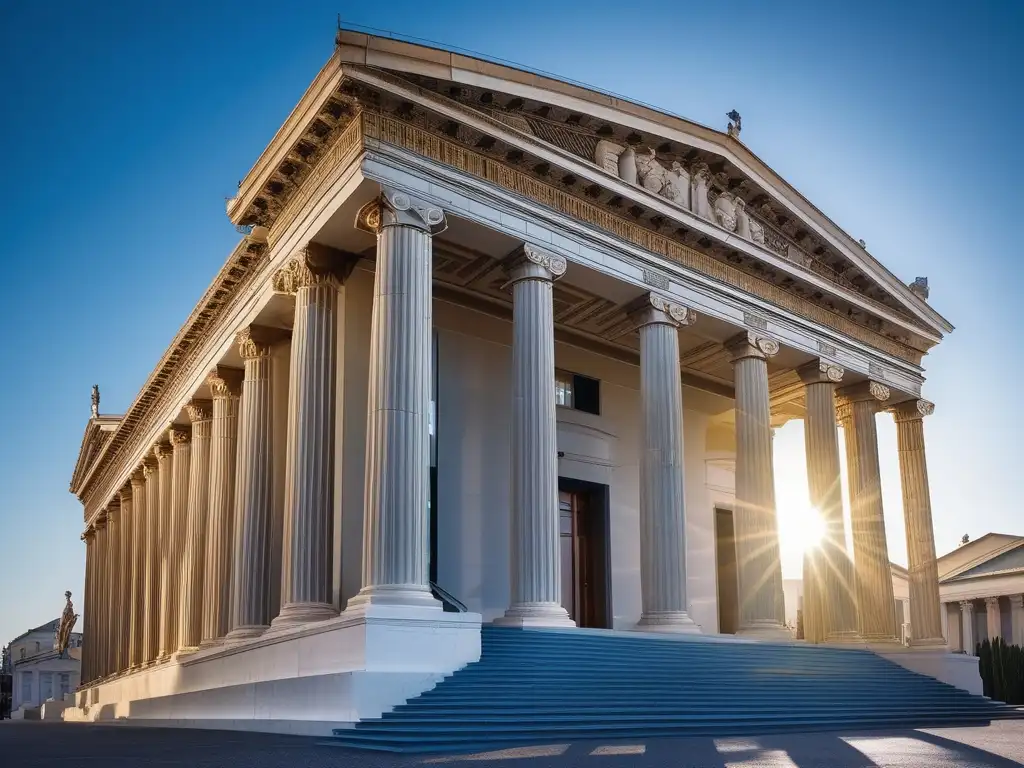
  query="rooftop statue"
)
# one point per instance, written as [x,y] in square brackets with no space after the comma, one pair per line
[67,623]
[95,400]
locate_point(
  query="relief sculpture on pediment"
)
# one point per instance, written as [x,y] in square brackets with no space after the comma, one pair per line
[725,211]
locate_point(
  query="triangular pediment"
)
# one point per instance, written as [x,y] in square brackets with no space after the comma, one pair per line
[977,554]
[98,433]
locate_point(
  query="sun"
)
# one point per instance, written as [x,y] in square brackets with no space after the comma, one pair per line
[801,528]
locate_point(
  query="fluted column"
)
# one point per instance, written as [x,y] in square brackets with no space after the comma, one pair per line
[190,603]
[173,494]
[757,535]
[151,593]
[1017,620]
[993,618]
[224,385]
[967,628]
[876,612]
[137,585]
[925,606]
[250,598]
[829,589]
[102,594]
[124,575]
[89,606]
[115,521]
[662,490]
[536,573]
[315,276]
[397,488]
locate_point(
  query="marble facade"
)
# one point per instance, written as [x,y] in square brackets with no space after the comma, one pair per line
[385,338]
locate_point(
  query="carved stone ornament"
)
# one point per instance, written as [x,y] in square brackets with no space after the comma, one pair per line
[199,410]
[912,410]
[67,623]
[821,372]
[832,371]
[138,477]
[878,391]
[148,470]
[725,211]
[650,172]
[607,154]
[224,382]
[313,264]
[530,254]
[179,436]
[396,208]
[750,344]
[676,314]
[162,451]
[254,342]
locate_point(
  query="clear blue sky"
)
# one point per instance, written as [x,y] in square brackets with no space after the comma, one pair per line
[124,127]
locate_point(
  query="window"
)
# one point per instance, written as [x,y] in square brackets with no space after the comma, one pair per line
[45,686]
[580,393]
[26,688]
[37,646]
[22,654]
[65,684]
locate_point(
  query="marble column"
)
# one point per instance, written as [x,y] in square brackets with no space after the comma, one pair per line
[137,589]
[112,588]
[967,626]
[151,592]
[102,594]
[1017,620]
[190,601]
[397,488]
[925,607]
[875,606]
[536,574]
[89,605]
[224,384]
[181,458]
[124,577]
[250,597]
[830,584]
[662,488]
[165,483]
[757,537]
[993,618]
[315,276]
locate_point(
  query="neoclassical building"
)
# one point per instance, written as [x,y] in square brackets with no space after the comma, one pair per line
[495,348]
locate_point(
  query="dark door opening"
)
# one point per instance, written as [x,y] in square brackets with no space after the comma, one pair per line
[583,524]
[727,576]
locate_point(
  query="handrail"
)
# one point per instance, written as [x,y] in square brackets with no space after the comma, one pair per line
[448,599]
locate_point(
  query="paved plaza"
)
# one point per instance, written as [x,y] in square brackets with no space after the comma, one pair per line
[34,745]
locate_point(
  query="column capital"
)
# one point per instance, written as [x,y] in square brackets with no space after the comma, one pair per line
[820,371]
[179,436]
[101,521]
[1016,601]
[125,493]
[992,601]
[224,381]
[199,410]
[88,535]
[394,208]
[750,344]
[138,478]
[529,262]
[967,606]
[865,391]
[162,452]
[652,309]
[255,341]
[911,410]
[314,264]
[148,467]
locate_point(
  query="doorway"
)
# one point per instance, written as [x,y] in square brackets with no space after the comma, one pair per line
[727,576]
[584,552]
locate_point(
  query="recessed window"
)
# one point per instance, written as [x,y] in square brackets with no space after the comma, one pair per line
[580,393]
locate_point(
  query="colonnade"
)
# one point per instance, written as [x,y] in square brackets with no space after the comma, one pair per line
[181,559]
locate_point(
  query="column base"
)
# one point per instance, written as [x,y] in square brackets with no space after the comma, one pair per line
[411,595]
[211,642]
[535,615]
[245,633]
[303,613]
[929,644]
[766,630]
[667,621]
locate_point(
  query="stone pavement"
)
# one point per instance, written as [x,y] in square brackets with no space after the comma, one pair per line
[35,744]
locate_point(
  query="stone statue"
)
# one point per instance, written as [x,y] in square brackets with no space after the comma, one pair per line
[677,185]
[627,165]
[607,155]
[735,124]
[920,288]
[701,178]
[650,172]
[66,624]
[725,211]
[95,400]
[5,661]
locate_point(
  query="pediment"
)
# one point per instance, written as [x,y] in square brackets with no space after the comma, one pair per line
[701,188]
[97,436]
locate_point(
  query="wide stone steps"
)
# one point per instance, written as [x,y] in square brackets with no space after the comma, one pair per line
[538,686]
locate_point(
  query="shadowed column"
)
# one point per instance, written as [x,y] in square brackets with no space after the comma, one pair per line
[224,386]
[89,605]
[124,576]
[151,635]
[190,604]
[876,612]
[181,460]
[757,534]
[137,589]
[662,486]
[102,603]
[165,483]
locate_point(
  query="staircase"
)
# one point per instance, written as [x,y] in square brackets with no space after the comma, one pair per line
[543,686]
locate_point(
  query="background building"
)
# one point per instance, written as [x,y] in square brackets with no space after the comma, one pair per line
[38,673]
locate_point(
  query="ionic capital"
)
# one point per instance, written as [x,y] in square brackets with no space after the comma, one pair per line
[199,410]
[225,382]
[162,452]
[652,309]
[967,606]
[750,344]
[911,410]
[399,209]
[992,601]
[532,263]
[1017,601]
[870,391]
[314,264]
[255,341]
[820,371]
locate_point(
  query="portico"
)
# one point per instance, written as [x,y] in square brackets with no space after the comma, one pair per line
[355,451]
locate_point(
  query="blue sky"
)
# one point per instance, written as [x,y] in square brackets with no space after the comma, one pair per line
[124,127]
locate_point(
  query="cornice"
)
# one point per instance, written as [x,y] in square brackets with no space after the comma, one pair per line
[368,50]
